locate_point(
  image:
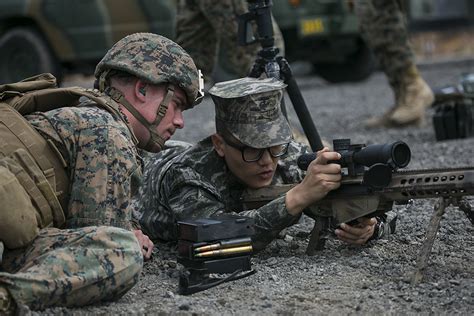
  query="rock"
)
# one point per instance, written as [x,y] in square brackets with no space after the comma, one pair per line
[184,307]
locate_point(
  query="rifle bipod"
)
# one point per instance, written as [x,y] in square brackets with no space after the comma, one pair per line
[432,230]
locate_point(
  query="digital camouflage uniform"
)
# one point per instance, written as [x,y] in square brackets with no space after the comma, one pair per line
[98,258]
[103,163]
[197,183]
[73,267]
[80,266]
[206,27]
[383,25]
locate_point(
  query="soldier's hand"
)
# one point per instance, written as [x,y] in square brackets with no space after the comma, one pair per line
[320,178]
[357,234]
[145,243]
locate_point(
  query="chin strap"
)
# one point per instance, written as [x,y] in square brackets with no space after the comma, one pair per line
[155,138]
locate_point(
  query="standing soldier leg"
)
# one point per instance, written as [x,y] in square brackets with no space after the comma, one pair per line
[72,267]
[384,28]
[237,59]
[195,33]
[223,17]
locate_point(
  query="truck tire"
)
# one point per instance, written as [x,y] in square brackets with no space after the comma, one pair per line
[24,53]
[356,67]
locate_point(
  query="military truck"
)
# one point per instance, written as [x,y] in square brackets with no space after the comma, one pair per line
[63,35]
[326,34]
[54,35]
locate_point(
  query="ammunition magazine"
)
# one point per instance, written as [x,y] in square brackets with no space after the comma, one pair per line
[220,245]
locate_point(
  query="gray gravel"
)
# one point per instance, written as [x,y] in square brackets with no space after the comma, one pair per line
[341,279]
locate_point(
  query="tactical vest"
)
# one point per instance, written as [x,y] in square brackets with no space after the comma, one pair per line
[34,182]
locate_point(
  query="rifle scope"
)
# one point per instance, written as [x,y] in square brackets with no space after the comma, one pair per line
[396,155]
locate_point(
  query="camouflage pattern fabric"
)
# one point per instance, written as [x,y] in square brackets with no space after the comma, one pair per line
[72,267]
[197,183]
[103,163]
[156,59]
[383,26]
[249,108]
[206,27]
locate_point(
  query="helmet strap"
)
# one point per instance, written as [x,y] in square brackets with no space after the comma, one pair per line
[103,80]
[155,138]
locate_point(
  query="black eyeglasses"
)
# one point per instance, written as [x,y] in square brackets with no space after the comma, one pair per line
[250,154]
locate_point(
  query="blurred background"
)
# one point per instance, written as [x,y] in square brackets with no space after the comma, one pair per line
[67,37]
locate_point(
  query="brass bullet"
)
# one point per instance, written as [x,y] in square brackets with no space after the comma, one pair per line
[225,251]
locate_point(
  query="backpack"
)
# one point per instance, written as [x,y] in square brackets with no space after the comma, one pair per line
[34,183]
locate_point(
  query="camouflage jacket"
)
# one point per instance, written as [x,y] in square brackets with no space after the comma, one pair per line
[103,163]
[197,183]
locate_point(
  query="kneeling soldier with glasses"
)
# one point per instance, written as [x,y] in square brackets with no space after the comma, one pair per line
[252,148]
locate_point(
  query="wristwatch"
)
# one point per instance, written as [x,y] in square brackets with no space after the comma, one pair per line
[379,229]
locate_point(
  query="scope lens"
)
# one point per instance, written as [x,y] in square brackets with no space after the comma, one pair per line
[401,154]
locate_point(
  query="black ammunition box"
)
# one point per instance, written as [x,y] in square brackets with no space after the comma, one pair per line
[218,228]
[224,265]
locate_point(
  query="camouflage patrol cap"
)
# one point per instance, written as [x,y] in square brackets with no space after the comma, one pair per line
[249,109]
[155,59]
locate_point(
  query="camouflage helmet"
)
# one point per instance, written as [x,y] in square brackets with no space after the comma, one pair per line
[155,59]
[250,110]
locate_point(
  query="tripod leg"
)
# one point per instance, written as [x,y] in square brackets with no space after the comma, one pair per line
[433,228]
[300,107]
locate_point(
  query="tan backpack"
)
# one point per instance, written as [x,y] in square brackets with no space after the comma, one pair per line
[34,183]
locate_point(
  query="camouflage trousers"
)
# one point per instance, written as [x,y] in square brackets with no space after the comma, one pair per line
[207,28]
[72,267]
[383,26]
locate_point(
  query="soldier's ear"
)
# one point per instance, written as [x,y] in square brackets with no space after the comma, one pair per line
[140,90]
[219,144]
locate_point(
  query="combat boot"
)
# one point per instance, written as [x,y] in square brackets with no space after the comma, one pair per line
[384,120]
[380,121]
[7,306]
[417,97]
[412,98]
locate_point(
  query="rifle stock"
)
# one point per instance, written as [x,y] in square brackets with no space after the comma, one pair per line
[353,199]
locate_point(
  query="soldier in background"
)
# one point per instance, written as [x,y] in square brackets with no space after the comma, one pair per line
[252,148]
[384,27]
[98,256]
[206,27]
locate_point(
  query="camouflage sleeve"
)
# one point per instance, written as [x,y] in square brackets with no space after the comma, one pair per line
[197,201]
[170,193]
[102,162]
[270,219]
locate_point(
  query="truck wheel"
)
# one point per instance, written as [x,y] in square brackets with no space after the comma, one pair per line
[24,53]
[356,67]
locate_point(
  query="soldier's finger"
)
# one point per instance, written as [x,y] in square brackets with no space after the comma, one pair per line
[350,239]
[147,251]
[324,155]
[364,221]
[354,230]
[358,235]
[316,169]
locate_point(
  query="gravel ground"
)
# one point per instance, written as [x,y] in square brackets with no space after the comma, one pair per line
[341,279]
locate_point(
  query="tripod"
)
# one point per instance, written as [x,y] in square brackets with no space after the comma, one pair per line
[275,66]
